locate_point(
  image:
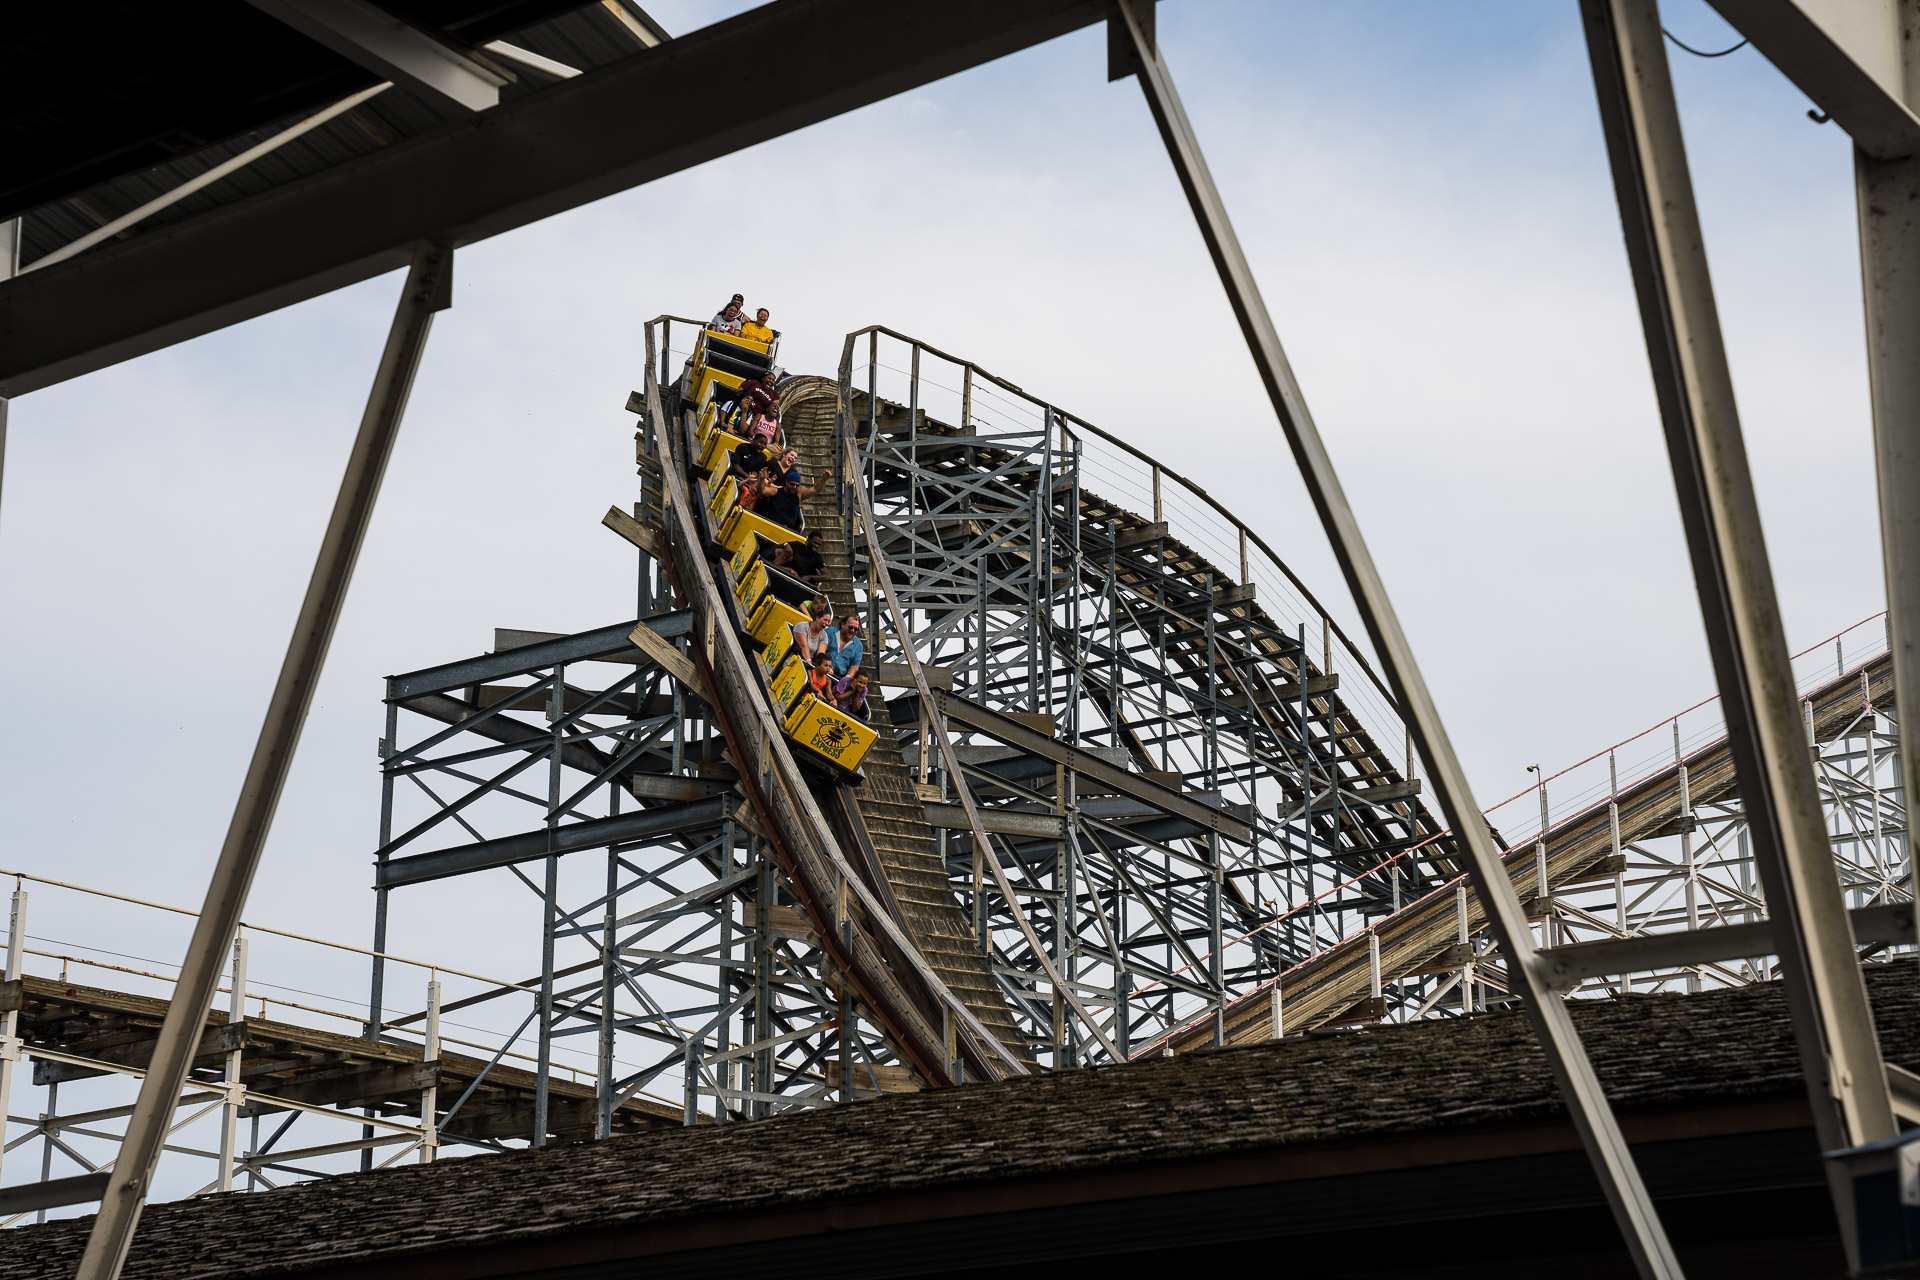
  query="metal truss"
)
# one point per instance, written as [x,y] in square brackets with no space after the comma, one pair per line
[1039,596]
[1696,870]
[679,953]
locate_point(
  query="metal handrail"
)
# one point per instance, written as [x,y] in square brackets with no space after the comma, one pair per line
[846,372]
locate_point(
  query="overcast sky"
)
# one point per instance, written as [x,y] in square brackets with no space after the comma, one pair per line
[1423,193]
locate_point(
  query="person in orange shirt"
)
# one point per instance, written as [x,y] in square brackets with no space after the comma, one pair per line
[758,488]
[821,682]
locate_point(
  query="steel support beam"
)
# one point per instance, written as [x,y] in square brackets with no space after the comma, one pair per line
[1765,732]
[529,846]
[1857,59]
[53,1193]
[392,50]
[9,267]
[427,289]
[1887,196]
[1846,55]
[1007,730]
[1587,1105]
[1888,923]
[582,646]
[569,144]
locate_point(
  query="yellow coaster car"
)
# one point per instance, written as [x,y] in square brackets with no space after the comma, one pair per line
[753,585]
[705,378]
[833,736]
[773,621]
[737,345]
[721,498]
[708,418]
[744,554]
[788,683]
[718,446]
[741,525]
[774,654]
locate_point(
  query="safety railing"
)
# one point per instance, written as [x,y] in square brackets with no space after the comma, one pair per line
[73,1118]
[1619,768]
[947,389]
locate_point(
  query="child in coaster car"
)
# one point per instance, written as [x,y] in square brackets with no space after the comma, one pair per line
[821,681]
[850,693]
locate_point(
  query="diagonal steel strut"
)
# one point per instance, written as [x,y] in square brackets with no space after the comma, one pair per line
[1599,1131]
[1839,1050]
[428,288]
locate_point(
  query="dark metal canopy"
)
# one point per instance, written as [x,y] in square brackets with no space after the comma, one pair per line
[347,201]
[99,93]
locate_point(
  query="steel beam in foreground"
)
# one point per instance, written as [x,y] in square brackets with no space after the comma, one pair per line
[1612,1161]
[1887,195]
[628,123]
[428,288]
[1826,996]
[1857,59]
[393,50]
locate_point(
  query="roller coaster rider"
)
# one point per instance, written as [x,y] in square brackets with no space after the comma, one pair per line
[783,505]
[729,318]
[805,560]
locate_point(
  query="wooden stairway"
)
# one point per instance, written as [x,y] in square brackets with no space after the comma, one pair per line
[888,805]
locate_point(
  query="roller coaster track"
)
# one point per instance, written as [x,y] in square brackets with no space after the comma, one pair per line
[1577,849]
[860,931]
[993,898]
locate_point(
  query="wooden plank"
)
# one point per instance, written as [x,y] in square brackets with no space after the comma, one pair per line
[1145,533]
[666,786]
[1241,594]
[897,675]
[214,1041]
[287,1041]
[658,704]
[893,1077]
[1453,957]
[505,638]
[1043,826]
[642,536]
[1316,685]
[790,921]
[1605,869]
[355,1087]
[671,660]
[1365,1009]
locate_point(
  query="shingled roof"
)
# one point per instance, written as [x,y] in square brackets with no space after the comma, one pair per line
[1432,1078]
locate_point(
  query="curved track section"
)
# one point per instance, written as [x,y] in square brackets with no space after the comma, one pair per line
[1139,794]
[1186,796]
[931,1028]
